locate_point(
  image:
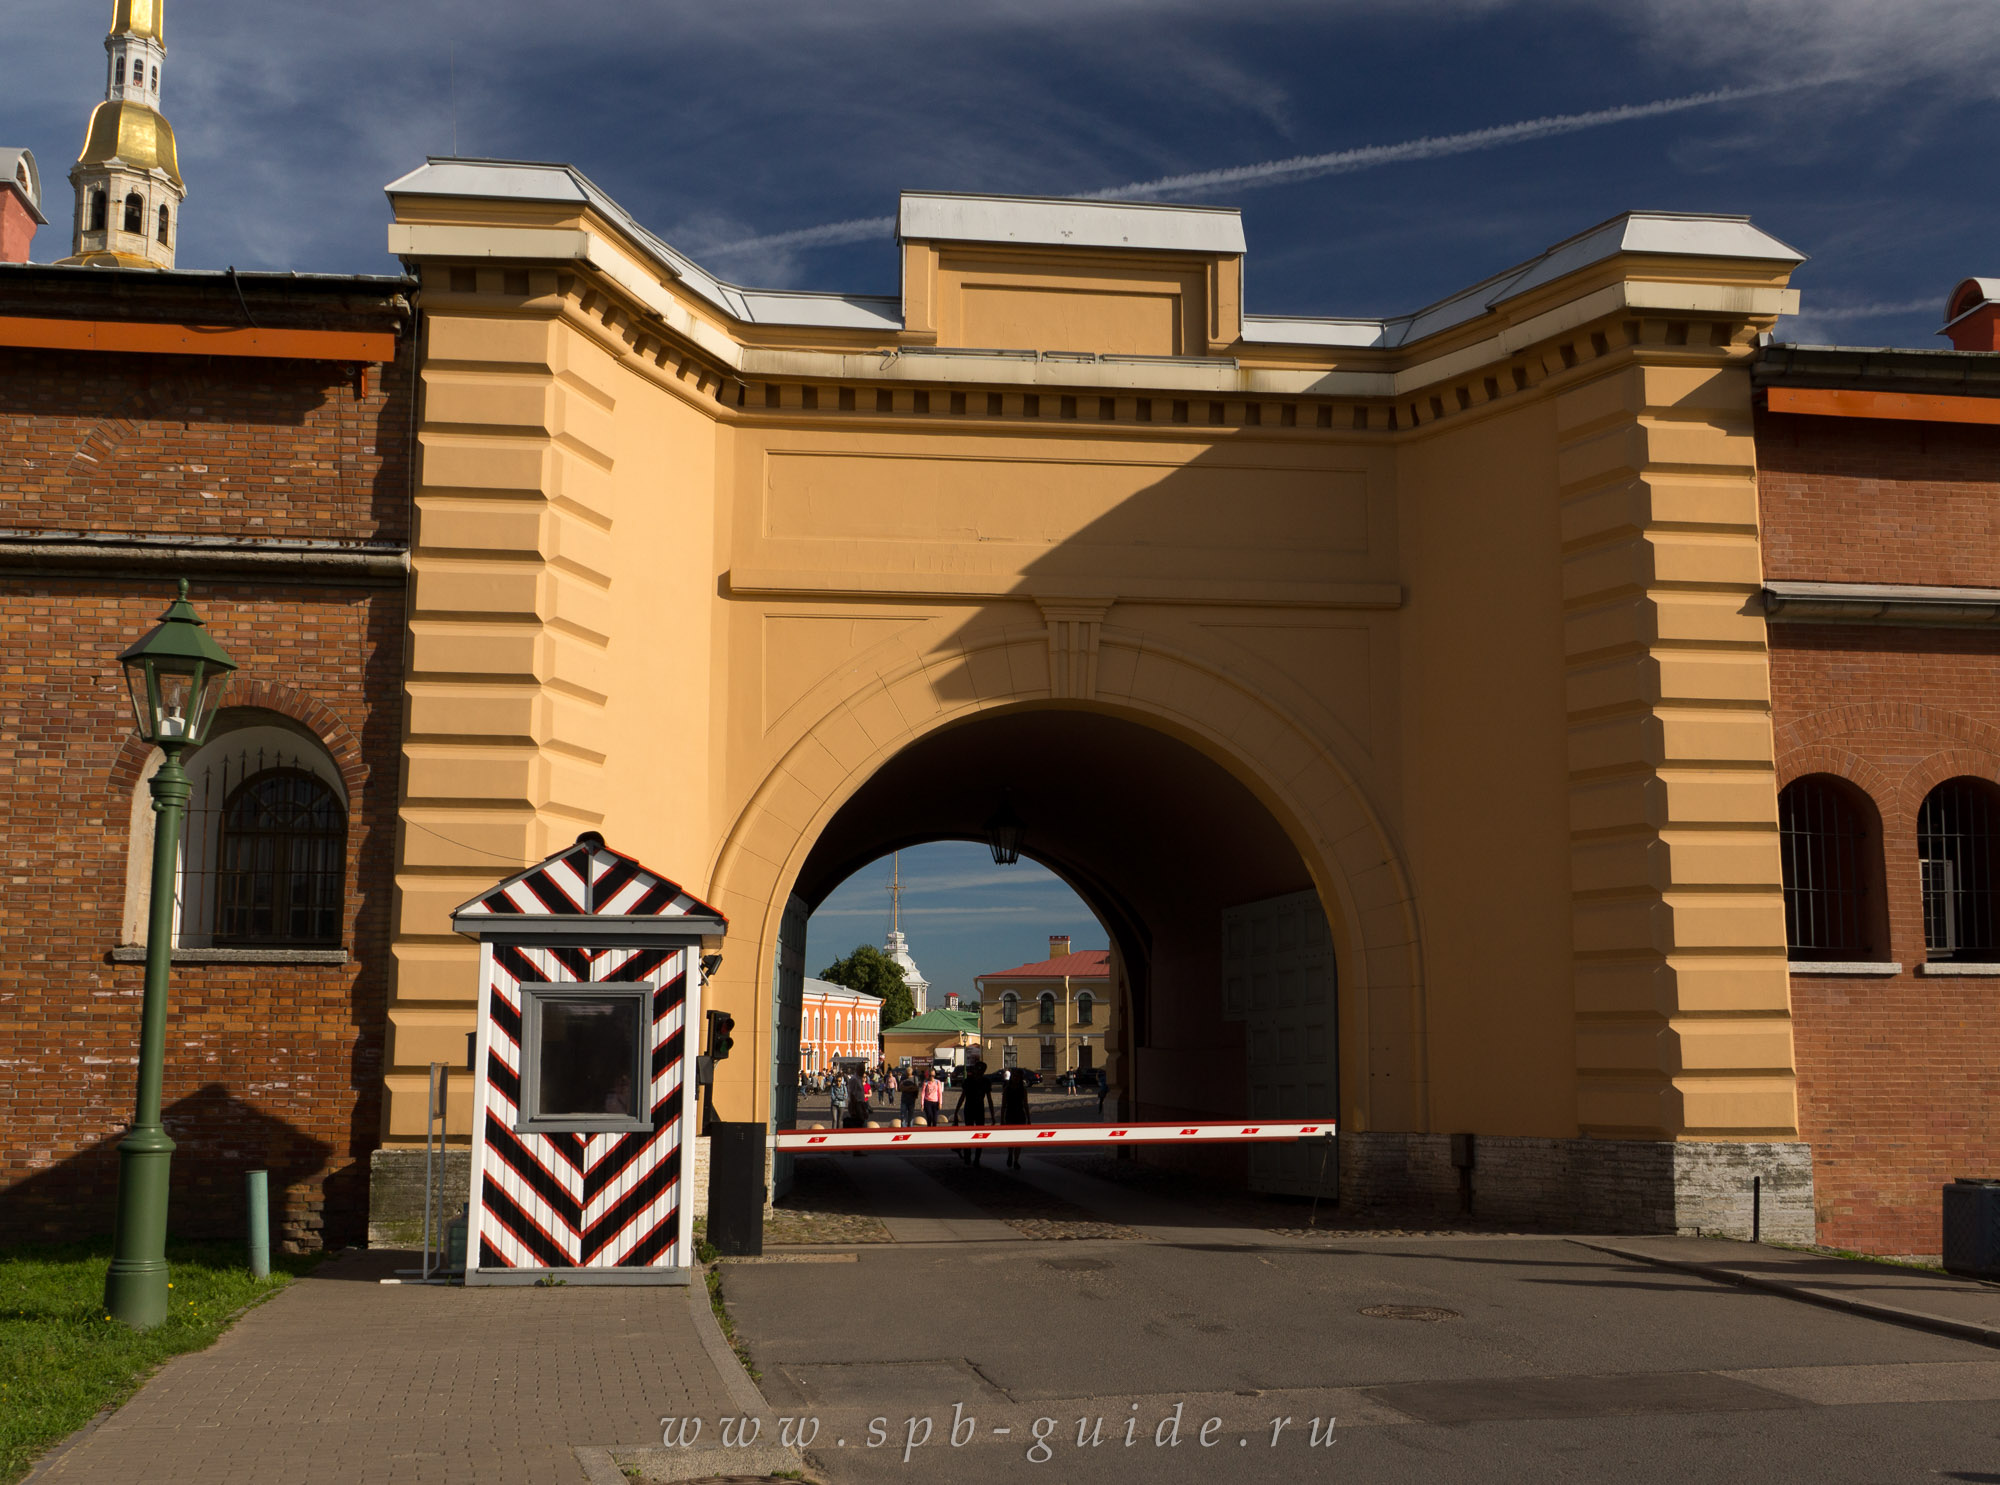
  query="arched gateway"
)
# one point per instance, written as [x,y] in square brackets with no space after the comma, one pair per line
[1444,620]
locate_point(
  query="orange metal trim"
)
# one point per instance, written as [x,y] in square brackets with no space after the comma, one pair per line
[197,340]
[1921,407]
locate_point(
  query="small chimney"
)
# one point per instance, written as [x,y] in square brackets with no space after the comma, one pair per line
[20,204]
[1972,315]
[1058,946]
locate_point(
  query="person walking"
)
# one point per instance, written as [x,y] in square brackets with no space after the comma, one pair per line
[1103,1088]
[1013,1108]
[908,1088]
[974,1106]
[931,1094]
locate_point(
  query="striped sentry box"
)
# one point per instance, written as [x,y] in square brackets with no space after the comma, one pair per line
[585,1204]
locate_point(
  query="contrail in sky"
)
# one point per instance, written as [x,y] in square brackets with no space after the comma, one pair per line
[1305,167]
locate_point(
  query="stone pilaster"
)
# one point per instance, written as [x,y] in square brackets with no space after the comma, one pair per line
[509,635]
[1682,1002]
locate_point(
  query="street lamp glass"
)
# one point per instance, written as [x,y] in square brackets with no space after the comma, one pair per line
[175,676]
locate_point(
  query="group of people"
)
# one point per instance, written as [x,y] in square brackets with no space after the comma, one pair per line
[986,1095]
[983,1098]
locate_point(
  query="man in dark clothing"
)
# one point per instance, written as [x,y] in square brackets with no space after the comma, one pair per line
[1013,1108]
[974,1105]
[908,1088]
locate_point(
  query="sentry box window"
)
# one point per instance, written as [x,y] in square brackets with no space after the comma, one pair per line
[585,1054]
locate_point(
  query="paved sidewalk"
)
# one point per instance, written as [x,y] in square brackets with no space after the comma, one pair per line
[345,1380]
[1966,1308]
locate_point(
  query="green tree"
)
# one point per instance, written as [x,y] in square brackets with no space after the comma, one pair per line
[872,972]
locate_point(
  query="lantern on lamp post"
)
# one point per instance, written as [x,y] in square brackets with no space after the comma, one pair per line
[175,676]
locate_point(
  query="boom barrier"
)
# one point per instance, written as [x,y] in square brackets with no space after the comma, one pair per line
[978,1136]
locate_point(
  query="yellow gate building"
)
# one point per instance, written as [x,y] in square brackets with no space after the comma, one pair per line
[1420,650]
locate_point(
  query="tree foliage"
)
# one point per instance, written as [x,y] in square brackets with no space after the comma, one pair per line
[872,972]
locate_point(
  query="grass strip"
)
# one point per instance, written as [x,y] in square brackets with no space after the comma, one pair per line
[63,1360]
[705,1254]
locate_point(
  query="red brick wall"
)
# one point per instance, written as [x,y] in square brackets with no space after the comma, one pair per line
[1879,500]
[271,1065]
[1899,1077]
[202,446]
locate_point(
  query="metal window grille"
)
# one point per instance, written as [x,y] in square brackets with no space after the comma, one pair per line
[264,861]
[1955,841]
[1822,840]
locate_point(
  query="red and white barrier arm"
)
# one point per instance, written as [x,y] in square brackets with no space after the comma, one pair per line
[973,1136]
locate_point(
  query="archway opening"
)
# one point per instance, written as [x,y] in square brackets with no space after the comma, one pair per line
[1169,851]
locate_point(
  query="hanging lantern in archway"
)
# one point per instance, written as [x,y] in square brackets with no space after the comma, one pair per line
[1003,834]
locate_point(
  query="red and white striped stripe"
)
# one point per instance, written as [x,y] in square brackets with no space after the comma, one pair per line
[961,1137]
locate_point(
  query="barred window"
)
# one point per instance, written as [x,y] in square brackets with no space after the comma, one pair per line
[1825,838]
[1955,848]
[280,861]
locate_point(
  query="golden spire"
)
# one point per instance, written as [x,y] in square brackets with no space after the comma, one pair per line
[128,175]
[138,18]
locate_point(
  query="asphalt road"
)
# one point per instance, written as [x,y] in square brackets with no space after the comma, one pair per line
[1490,1359]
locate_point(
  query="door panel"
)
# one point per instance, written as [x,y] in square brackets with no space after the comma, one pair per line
[1279,978]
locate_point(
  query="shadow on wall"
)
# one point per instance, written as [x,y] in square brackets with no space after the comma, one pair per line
[220,1138]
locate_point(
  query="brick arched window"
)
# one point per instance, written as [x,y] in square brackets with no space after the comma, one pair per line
[1086,1005]
[1010,1009]
[1048,1016]
[281,860]
[135,213]
[1956,848]
[1830,846]
[98,207]
[165,220]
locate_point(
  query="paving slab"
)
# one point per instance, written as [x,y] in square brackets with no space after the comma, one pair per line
[1945,1303]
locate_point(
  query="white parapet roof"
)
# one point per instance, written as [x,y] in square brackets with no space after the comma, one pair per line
[1053,221]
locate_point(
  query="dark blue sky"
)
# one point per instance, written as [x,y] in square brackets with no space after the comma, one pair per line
[718,122]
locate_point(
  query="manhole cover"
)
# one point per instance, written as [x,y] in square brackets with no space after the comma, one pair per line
[1074,1265]
[1409,1312]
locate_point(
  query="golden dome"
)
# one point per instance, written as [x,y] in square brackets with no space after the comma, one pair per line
[131,134]
[140,17]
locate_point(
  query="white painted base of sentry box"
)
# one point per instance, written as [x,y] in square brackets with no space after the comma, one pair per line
[553,1277]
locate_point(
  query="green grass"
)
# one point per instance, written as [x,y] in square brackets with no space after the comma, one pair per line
[62,1360]
[705,1253]
[1849,1253]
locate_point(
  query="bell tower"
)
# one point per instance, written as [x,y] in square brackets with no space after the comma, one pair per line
[128,178]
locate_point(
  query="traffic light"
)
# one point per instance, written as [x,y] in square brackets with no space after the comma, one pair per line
[721,1032]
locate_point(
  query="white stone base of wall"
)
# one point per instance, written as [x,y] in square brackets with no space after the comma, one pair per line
[396,1193]
[1694,1188]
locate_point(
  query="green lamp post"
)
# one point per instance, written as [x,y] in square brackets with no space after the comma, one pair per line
[175,675]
